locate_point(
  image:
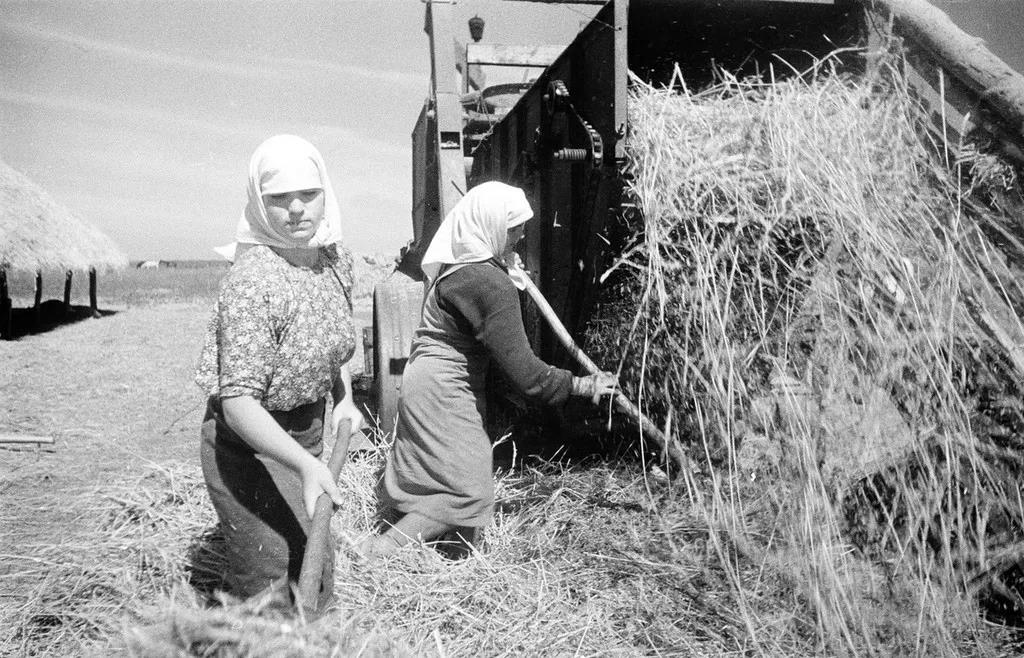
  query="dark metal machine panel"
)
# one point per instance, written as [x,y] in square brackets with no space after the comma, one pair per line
[744,37]
[424,176]
[571,199]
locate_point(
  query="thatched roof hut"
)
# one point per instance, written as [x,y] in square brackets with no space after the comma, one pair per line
[38,233]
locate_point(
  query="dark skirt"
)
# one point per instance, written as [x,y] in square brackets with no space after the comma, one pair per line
[259,502]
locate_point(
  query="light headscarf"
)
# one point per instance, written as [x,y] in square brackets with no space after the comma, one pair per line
[476,229]
[284,163]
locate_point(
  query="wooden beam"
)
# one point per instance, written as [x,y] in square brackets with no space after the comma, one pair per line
[447,106]
[5,307]
[621,64]
[67,292]
[965,57]
[37,308]
[24,438]
[499,55]
[92,293]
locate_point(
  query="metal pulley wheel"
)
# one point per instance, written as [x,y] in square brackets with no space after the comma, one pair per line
[396,315]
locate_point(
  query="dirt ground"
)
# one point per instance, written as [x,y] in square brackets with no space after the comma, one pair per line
[116,394]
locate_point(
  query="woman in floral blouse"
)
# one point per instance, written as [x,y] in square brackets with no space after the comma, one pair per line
[280,339]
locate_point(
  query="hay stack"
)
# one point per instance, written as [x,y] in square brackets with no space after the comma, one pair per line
[822,312]
[577,562]
[38,233]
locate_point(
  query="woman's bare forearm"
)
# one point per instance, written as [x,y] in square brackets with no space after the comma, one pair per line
[343,385]
[344,402]
[254,424]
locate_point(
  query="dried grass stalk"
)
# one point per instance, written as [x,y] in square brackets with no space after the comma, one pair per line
[822,310]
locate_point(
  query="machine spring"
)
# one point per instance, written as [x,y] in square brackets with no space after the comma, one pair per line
[570,155]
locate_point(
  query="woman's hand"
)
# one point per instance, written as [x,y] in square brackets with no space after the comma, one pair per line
[257,427]
[346,410]
[595,386]
[344,407]
[316,479]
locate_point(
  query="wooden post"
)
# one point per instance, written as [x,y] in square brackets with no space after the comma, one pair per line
[92,293]
[67,293]
[965,56]
[37,308]
[5,307]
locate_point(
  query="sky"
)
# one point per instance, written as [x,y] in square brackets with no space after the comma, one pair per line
[999,23]
[140,115]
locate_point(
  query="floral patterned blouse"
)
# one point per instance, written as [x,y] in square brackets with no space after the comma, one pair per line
[279,332]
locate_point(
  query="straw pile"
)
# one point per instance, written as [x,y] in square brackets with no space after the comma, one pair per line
[825,320]
[593,560]
[38,233]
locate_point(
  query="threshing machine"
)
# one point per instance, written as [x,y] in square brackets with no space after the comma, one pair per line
[561,134]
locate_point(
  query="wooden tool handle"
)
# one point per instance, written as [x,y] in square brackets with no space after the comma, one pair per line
[25,438]
[649,429]
[320,529]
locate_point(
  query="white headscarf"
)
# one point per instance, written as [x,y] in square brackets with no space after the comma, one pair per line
[284,163]
[476,229]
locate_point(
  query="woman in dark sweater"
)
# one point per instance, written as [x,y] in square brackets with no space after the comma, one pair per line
[439,472]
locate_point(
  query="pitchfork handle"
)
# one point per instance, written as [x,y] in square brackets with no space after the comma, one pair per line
[320,529]
[648,428]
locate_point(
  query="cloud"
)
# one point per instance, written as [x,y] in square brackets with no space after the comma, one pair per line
[390,79]
[379,148]
[162,120]
[264,67]
[128,52]
[370,162]
[120,112]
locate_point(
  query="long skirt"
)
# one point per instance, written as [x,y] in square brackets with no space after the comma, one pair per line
[440,465]
[259,503]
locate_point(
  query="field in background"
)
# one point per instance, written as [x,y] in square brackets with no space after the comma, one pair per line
[173,281]
[128,287]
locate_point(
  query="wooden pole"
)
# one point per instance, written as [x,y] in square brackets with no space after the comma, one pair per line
[67,293]
[37,308]
[25,438]
[966,57]
[92,293]
[5,307]
[311,576]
